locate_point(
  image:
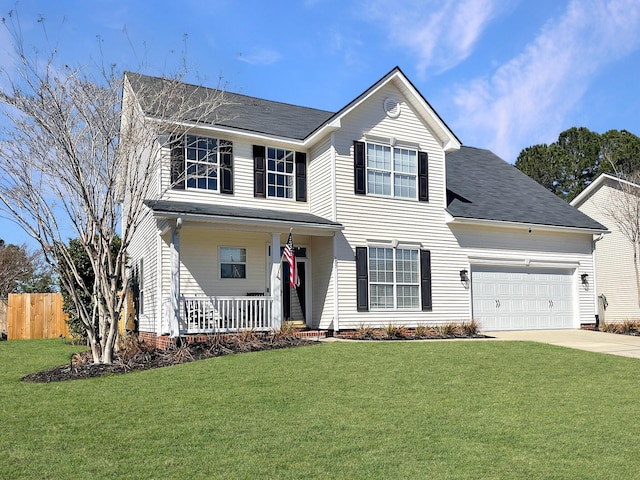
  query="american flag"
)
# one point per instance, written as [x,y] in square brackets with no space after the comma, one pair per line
[291,260]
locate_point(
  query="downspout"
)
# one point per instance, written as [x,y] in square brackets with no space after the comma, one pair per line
[334,217]
[595,280]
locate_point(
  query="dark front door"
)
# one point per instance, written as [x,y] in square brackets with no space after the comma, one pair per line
[293,298]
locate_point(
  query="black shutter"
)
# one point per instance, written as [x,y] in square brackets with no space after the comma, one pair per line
[301,177]
[425,279]
[176,144]
[359,168]
[423,176]
[226,166]
[362,279]
[259,172]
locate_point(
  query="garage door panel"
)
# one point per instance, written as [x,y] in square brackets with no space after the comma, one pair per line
[507,298]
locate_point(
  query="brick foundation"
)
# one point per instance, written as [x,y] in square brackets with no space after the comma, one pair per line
[164,341]
[588,326]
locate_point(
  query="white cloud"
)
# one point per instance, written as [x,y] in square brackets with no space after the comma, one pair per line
[526,100]
[440,33]
[260,56]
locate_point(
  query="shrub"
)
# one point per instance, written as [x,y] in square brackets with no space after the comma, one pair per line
[470,328]
[394,331]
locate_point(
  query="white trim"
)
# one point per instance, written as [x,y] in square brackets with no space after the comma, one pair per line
[279,225]
[521,262]
[159,285]
[220,262]
[442,133]
[336,310]
[511,224]
[583,196]
[334,175]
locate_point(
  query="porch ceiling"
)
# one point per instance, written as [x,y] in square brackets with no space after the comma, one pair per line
[266,220]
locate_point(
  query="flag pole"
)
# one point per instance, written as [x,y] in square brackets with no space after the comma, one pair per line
[282,255]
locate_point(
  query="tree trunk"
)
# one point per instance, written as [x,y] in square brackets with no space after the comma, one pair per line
[635,266]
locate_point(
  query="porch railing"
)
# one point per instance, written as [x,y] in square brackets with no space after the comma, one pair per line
[225,314]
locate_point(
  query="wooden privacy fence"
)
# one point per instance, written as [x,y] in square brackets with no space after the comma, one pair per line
[36,315]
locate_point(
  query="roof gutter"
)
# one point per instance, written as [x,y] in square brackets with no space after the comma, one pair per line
[200,217]
[530,226]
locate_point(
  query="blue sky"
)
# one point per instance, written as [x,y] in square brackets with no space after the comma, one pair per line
[502,74]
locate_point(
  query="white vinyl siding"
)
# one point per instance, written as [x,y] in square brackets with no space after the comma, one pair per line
[368,219]
[615,275]
[143,248]
[243,195]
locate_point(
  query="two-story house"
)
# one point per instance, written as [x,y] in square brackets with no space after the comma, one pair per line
[392,220]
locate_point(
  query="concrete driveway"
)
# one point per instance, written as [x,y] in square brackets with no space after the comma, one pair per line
[598,342]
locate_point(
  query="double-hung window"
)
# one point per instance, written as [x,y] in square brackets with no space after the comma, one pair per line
[392,171]
[280,172]
[394,278]
[202,162]
[233,262]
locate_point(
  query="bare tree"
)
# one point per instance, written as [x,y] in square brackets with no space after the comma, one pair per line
[80,151]
[623,208]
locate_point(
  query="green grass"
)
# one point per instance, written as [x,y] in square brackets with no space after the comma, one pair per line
[436,410]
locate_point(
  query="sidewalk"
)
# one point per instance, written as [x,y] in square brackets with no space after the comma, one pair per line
[598,342]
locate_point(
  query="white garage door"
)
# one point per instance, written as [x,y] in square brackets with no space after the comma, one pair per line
[506,298]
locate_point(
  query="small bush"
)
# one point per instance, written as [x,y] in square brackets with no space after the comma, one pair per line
[132,350]
[470,328]
[628,327]
[394,331]
[364,332]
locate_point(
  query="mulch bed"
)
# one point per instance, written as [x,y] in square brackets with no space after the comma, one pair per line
[137,356]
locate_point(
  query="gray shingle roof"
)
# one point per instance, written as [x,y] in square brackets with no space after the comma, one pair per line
[240,111]
[480,185]
[232,212]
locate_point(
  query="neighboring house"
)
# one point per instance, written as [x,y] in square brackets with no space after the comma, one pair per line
[615,273]
[393,222]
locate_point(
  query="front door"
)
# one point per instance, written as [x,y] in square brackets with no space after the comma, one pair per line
[294,305]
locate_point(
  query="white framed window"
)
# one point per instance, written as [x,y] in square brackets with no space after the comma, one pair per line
[202,162]
[280,172]
[392,171]
[233,262]
[394,278]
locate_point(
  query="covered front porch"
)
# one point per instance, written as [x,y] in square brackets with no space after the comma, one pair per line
[222,268]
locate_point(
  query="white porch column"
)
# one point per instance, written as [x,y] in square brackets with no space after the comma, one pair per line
[276,282]
[174,318]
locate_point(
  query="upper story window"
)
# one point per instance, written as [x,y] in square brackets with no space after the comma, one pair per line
[390,171]
[280,172]
[201,162]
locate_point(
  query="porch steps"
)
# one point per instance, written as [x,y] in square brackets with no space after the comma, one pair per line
[297,324]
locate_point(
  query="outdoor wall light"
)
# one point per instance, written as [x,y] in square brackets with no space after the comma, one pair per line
[464,276]
[584,278]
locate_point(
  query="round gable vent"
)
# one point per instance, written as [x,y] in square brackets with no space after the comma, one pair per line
[391,107]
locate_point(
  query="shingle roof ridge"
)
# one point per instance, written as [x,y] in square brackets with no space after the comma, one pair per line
[224,91]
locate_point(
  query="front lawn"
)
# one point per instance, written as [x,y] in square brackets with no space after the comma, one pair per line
[453,409]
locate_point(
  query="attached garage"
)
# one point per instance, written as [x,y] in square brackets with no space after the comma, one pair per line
[523,298]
